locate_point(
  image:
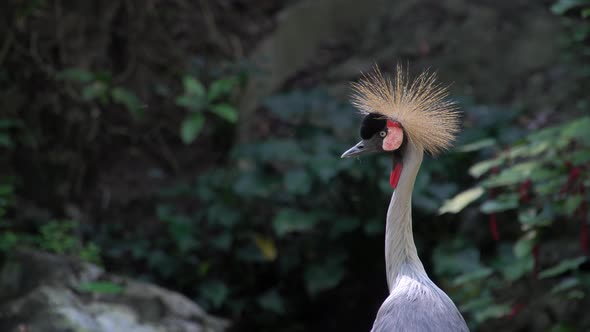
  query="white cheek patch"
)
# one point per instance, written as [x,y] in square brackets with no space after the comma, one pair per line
[394,139]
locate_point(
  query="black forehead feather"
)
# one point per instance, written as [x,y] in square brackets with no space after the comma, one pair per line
[372,124]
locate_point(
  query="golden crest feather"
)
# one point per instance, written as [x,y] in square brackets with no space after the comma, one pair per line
[420,106]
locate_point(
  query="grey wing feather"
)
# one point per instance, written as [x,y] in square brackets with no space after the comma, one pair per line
[418,306]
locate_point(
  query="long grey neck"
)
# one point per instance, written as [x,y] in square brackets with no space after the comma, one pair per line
[399,240]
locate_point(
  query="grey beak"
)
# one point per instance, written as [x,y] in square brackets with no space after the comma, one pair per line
[360,148]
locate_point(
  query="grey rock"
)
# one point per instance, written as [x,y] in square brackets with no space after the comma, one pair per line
[39,292]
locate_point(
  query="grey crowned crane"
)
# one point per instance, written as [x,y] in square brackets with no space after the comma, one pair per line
[406,118]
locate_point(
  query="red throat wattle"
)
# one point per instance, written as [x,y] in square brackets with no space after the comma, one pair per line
[396,172]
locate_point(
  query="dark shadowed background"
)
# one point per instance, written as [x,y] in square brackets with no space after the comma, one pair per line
[196,145]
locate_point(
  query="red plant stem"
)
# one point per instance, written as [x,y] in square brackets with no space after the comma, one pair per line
[535,261]
[584,228]
[524,191]
[584,236]
[515,310]
[573,174]
[494,227]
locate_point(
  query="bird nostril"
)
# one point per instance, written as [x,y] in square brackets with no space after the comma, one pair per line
[360,146]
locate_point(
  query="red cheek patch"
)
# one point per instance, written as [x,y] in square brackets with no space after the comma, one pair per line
[394,138]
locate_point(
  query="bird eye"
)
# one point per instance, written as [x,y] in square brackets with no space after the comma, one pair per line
[383,133]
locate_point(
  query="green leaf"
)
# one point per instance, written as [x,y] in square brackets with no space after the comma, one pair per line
[460,201]
[577,129]
[104,76]
[531,218]
[566,265]
[560,327]
[513,175]
[250,253]
[193,87]
[546,134]
[479,303]
[565,284]
[297,181]
[373,227]
[512,267]
[96,90]
[225,111]
[453,261]
[222,241]
[516,151]
[290,220]
[571,204]
[342,225]
[267,247]
[272,151]
[191,127]
[502,203]
[493,311]
[222,215]
[192,103]
[90,253]
[524,246]
[475,146]
[478,274]
[215,291]
[272,301]
[325,167]
[537,148]
[579,157]
[6,141]
[129,99]
[575,294]
[550,185]
[255,183]
[220,88]
[325,276]
[10,123]
[8,240]
[544,174]
[76,74]
[101,287]
[483,167]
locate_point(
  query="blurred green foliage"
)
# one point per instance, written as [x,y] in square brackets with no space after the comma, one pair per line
[8,127]
[262,231]
[532,191]
[59,236]
[90,86]
[275,212]
[281,215]
[196,98]
[541,181]
[98,86]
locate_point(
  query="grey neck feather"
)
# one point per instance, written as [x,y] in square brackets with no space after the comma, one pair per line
[399,240]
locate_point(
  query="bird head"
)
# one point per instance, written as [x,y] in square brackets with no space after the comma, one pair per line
[378,134]
[401,113]
[401,110]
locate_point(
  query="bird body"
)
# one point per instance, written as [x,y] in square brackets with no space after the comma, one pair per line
[407,119]
[415,303]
